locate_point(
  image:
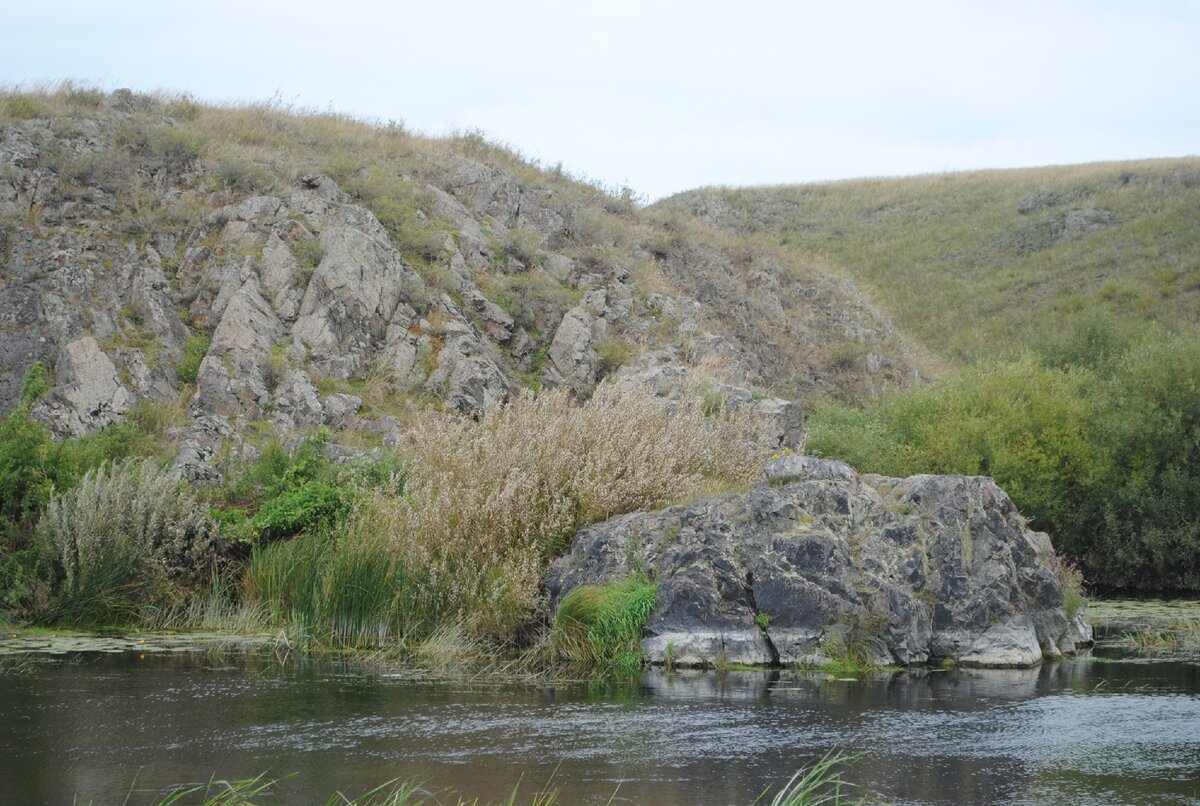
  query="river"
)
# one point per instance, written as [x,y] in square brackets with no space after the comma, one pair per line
[93,726]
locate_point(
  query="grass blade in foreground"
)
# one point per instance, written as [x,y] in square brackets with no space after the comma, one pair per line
[819,784]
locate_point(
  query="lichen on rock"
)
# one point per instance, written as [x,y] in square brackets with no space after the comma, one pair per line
[838,567]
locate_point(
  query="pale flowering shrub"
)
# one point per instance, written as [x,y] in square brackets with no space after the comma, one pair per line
[489,503]
[119,535]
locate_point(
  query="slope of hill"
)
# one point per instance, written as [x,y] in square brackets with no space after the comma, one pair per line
[263,272]
[976,264]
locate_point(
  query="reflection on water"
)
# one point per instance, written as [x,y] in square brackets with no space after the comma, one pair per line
[1079,732]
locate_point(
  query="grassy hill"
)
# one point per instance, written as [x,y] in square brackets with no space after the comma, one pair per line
[975,264]
[1064,305]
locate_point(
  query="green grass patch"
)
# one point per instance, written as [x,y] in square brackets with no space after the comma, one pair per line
[601,626]
[339,592]
[188,368]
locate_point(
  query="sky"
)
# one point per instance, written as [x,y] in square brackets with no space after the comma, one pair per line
[663,96]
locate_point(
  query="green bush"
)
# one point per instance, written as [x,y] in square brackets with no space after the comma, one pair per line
[34,383]
[235,525]
[28,470]
[281,494]
[33,464]
[1098,442]
[312,507]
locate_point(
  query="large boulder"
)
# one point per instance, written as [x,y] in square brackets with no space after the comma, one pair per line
[818,564]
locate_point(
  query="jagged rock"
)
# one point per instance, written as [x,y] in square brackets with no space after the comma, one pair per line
[297,398]
[350,299]
[198,444]
[573,348]
[661,371]
[494,321]
[340,408]
[88,395]
[280,273]
[470,234]
[495,193]
[145,382]
[1040,199]
[1084,221]
[903,571]
[184,261]
[324,187]
[467,377]
[232,378]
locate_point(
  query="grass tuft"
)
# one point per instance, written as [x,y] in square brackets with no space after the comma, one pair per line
[601,626]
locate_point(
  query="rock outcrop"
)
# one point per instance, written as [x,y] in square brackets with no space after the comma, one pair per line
[819,564]
[661,371]
[88,395]
[446,277]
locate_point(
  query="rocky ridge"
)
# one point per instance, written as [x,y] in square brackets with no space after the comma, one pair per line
[124,240]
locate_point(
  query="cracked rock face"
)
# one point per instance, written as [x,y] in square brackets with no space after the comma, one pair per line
[88,395]
[903,571]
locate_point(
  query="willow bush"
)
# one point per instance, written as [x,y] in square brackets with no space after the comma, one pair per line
[121,538]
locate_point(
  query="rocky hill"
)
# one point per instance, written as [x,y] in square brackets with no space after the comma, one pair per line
[255,272]
[978,264]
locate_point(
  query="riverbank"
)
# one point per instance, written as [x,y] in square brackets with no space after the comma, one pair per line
[1147,628]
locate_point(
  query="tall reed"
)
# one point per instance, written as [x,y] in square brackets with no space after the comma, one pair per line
[489,504]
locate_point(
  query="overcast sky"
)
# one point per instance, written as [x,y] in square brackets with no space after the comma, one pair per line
[665,96]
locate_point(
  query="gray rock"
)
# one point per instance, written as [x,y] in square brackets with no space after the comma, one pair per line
[297,398]
[350,299]
[903,571]
[233,375]
[1084,221]
[783,419]
[88,394]
[280,278]
[324,187]
[494,193]
[340,408]
[467,377]
[573,348]
[492,319]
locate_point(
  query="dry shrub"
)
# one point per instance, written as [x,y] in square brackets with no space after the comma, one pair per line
[490,503]
[118,537]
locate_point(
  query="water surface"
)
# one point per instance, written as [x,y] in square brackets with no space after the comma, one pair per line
[1080,732]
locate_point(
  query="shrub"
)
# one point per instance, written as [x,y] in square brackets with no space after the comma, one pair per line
[119,537]
[240,175]
[34,384]
[25,108]
[1101,448]
[28,469]
[614,353]
[602,625]
[488,504]
[312,507]
[283,494]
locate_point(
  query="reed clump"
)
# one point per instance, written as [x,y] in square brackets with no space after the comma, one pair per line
[490,503]
[600,626]
[485,507]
